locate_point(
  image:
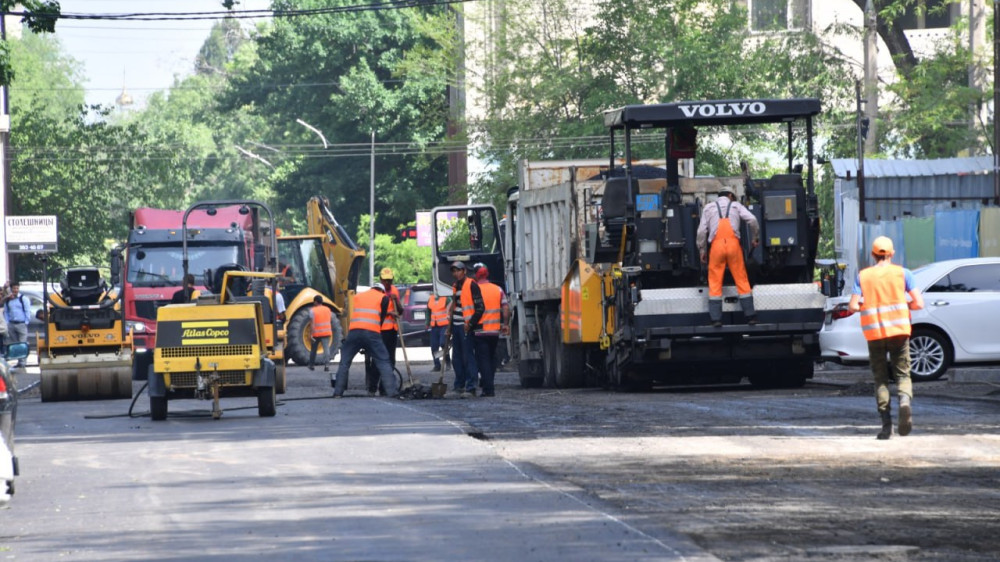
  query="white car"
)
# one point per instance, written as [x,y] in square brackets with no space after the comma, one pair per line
[960,322]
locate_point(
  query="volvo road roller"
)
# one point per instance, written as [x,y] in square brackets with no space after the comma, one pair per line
[85,353]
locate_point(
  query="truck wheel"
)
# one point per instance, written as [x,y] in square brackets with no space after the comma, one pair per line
[158,408]
[530,373]
[280,382]
[550,350]
[266,400]
[569,360]
[299,334]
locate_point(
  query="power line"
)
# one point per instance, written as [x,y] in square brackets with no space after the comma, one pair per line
[246,14]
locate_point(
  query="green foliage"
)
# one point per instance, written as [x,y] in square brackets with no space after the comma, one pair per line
[344,75]
[637,51]
[44,14]
[410,263]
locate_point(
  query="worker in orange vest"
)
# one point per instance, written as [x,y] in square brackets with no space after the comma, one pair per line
[390,330]
[368,311]
[321,319]
[720,228]
[885,321]
[437,323]
[466,299]
[487,327]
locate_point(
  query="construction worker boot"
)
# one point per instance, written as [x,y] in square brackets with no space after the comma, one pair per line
[715,312]
[905,415]
[886,425]
[746,303]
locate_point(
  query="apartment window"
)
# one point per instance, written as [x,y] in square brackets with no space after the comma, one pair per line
[928,14]
[778,15]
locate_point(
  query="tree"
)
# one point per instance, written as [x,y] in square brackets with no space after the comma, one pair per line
[340,73]
[410,263]
[40,17]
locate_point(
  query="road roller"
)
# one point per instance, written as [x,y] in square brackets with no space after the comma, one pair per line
[86,353]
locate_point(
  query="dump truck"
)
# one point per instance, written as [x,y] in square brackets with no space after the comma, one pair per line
[153,269]
[324,262]
[603,272]
[222,344]
[86,353]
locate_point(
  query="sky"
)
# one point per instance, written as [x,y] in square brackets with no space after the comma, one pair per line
[144,56]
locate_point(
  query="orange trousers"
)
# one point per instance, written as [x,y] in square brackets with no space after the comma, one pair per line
[726,251]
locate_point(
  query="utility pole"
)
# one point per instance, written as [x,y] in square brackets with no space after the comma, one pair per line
[996,102]
[862,128]
[458,164]
[5,264]
[371,219]
[871,77]
[977,78]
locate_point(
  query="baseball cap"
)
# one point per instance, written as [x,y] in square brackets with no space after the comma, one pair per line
[481,270]
[882,246]
[457,265]
[386,273]
[727,189]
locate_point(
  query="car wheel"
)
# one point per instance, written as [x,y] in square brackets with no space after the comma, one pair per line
[930,355]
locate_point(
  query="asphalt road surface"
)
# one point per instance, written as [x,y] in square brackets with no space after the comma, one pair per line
[534,474]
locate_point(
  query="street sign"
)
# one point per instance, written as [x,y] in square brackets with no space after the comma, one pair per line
[31,234]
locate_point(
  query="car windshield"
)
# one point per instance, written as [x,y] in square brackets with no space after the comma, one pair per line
[152,266]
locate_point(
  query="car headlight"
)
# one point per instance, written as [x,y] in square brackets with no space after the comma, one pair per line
[135,326]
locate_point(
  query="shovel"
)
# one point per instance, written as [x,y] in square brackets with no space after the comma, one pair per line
[440,388]
[409,374]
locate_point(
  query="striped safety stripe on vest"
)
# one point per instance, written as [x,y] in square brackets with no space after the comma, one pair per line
[366,309]
[884,313]
[439,310]
[459,292]
[389,323]
[322,325]
[492,297]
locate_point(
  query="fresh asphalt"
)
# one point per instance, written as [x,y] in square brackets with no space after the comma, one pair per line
[356,478]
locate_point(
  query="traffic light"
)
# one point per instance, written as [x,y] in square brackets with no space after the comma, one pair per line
[408,233]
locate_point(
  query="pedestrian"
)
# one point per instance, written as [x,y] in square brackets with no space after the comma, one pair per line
[436,324]
[466,299]
[885,321]
[17,313]
[368,312]
[321,318]
[488,326]
[723,237]
[187,292]
[389,331]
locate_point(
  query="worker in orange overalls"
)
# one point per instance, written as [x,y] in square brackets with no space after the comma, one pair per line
[321,319]
[368,312]
[720,227]
[389,330]
[885,321]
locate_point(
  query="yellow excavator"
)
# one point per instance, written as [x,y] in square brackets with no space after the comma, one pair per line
[324,262]
[85,353]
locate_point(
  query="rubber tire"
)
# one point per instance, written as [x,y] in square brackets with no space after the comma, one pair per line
[931,353]
[280,380]
[299,337]
[157,408]
[570,361]
[266,401]
[550,350]
[531,373]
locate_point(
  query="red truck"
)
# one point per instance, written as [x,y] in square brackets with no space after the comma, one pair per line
[217,237]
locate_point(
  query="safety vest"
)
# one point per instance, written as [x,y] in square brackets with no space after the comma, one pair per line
[389,323]
[365,312]
[884,313]
[465,301]
[490,321]
[459,290]
[439,310]
[322,317]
